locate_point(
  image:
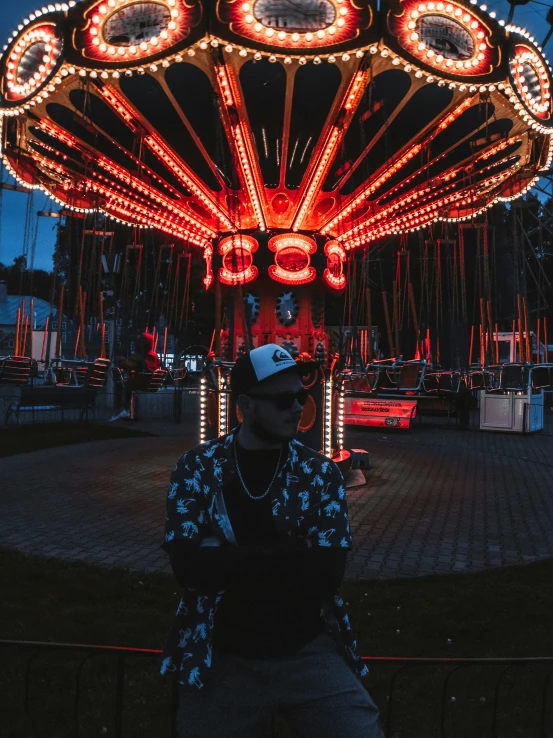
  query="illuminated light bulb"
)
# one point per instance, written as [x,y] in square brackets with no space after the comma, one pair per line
[258,27]
[282,35]
[321,33]
[331,59]
[243,52]
[257,56]
[287,60]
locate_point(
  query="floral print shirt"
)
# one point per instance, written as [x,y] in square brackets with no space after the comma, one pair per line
[309,500]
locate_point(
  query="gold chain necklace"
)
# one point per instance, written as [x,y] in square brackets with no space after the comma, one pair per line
[241,478]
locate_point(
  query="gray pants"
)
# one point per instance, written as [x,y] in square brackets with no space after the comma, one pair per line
[316,692]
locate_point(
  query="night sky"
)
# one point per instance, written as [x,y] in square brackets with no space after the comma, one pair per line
[531,16]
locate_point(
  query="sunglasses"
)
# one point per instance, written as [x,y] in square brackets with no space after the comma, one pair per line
[285,400]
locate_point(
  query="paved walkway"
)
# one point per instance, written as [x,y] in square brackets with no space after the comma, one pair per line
[436,500]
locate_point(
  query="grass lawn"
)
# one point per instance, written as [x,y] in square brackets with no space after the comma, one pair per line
[26,438]
[501,613]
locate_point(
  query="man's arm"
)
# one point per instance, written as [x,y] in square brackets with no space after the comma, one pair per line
[291,564]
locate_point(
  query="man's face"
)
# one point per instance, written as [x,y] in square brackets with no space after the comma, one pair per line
[263,410]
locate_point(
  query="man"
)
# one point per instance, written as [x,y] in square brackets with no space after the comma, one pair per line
[257,532]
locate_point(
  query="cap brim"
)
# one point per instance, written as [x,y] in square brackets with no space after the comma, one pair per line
[303,368]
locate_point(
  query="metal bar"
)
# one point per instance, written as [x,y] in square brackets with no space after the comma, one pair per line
[78,692]
[444,696]
[120,694]
[390,698]
[174,707]
[496,700]
[544,730]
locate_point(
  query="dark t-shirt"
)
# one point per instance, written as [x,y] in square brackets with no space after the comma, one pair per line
[256,619]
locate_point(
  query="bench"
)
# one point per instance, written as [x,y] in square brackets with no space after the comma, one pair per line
[57,398]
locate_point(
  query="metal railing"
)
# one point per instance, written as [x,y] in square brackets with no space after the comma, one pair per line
[86,690]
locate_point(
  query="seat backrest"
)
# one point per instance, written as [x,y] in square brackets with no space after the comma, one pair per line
[179,376]
[16,370]
[99,373]
[476,380]
[82,373]
[361,384]
[449,382]
[156,381]
[409,377]
[542,376]
[385,379]
[372,378]
[512,378]
[431,383]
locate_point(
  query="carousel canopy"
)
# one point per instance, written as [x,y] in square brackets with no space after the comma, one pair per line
[351,120]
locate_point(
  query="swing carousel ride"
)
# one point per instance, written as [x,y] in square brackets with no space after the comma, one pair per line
[273,136]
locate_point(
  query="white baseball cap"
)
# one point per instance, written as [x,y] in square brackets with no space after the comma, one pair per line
[262,363]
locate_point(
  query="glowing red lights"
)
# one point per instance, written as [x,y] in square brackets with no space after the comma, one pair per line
[334,273]
[292,258]
[127,31]
[237,252]
[445,35]
[32,60]
[311,24]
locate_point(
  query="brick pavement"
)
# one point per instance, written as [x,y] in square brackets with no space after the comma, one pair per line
[436,500]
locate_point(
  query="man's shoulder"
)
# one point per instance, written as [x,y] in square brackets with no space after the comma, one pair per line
[210,449]
[317,461]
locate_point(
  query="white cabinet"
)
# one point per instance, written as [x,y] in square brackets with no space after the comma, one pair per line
[512,412]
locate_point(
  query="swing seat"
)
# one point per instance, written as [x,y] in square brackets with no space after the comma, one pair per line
[431,384]
[97,374]
[449,383]
[17,370]
[514,378]
[542,376]
[411,376]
